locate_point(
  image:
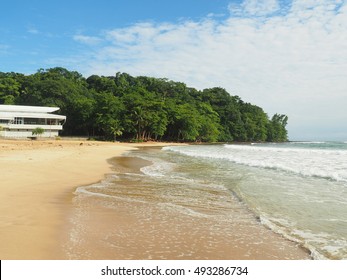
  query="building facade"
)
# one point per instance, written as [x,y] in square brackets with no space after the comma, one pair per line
[20,121]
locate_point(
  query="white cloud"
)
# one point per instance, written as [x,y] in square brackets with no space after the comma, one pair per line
[255,7]
[88,40]
[289,59]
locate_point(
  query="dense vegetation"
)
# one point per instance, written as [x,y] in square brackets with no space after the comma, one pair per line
[142,108]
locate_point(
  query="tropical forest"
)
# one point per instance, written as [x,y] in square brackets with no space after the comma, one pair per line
[127,108]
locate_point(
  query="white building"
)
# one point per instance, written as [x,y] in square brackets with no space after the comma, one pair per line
[20,121]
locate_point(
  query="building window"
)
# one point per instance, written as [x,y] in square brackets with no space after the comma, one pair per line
[34,121]
[19,120]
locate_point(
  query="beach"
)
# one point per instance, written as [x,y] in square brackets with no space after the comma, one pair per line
[46,212]
[38,179]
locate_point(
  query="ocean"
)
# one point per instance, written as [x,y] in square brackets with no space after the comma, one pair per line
[208,194]
[298,189]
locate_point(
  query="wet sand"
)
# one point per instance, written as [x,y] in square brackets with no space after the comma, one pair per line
[126,228]
[42,218]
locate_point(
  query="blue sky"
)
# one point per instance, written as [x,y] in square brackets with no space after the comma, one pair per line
[36,33]
[285,56]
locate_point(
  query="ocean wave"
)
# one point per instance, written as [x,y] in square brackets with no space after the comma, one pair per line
[317,163]
[158,168]
[85,191]
[320,245]
[307,142]
[278,183]
[183,210]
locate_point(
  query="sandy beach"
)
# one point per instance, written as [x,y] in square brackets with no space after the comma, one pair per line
[38,181]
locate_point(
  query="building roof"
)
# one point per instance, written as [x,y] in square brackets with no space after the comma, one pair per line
[31,109]
[9,112]
[11,116]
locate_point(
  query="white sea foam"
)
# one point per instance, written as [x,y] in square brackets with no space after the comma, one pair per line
[313,162]
[319,244]
[85,191]
[297,189]
[104,183]
[158,168]
[307,142]
[184,210]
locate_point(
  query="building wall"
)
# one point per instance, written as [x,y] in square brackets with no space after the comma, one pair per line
[26,134]
[30,127]
[25,130]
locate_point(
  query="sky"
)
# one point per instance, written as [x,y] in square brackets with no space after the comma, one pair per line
[288,57]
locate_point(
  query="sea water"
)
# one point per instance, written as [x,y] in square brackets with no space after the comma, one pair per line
[298,189]
[210,194]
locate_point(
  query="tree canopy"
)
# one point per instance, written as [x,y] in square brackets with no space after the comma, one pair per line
[142,108]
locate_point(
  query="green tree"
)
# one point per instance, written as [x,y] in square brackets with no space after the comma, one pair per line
[107,113]
[255,122]
[228,109]
[38,131]
[9,89]
[277,128]
[209,129]
[184,122]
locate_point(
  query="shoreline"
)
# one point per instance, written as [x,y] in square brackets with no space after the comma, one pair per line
[138,227]
[39,179]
